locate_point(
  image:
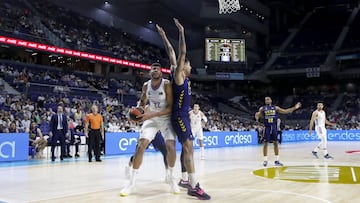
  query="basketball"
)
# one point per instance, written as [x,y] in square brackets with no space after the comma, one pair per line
[134,112]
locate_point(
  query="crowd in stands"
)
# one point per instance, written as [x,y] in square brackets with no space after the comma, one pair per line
[16,21]
[78,32]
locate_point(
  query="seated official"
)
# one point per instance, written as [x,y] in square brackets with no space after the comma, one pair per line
[36,139]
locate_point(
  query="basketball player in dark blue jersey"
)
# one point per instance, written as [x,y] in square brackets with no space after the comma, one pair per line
[181,107]
[184,181]
[269,113]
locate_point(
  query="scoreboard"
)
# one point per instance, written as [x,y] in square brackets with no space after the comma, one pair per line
[225,50]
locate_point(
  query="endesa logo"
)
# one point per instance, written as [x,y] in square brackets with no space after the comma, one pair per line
[209,140]
[332,135]
[238,139]
[14,146]
[124,143]
[120,143]
[343,135]
[298,135]
[7,149]
[233,138]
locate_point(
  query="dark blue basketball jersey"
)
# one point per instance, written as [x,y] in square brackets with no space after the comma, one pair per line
[269,115]
[182,97]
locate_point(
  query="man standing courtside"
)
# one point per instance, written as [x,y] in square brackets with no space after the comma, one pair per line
[58,131]
[96,132]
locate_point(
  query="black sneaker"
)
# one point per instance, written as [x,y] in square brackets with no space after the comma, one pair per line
[315,154]
[265,163]
[184,184]
[198,192]
[77,155]
[277,163]
[327,156]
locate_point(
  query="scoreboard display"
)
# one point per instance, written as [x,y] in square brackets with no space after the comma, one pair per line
[225,50]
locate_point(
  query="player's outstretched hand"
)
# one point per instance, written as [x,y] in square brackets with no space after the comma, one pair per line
[178,25]
[298,105]
[160,30]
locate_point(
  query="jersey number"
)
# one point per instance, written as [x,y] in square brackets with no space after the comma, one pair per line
[157,105]
[270,120]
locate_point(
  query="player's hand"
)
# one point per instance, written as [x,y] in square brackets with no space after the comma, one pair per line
[310,132]
[145,117]
[297,105]
[160,30]
[178,25]
[86,134]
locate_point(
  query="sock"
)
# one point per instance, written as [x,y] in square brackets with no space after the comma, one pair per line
[202,151]
[171,171]
[316,149]
[133,176]
[184,176]
[192,180]
[265,158]
[276,157]
[325,151]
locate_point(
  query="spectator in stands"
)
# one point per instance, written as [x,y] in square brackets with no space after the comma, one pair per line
[2,130]
[12,128]
[36,139]
[58,131]
[25,123]
[79,114]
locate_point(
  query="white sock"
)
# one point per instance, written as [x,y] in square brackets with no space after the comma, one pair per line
[171,171]
[325,151]
[316,149]
[192,180]
[202,151]
[265,158]
[276,157]
[133,176]
[184,176]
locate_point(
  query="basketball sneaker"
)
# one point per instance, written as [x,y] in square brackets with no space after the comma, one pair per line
[198,192]
[265,163]
[184,184]
[174,187]
[277,163]
[128,189]
[327,156]
[315,154]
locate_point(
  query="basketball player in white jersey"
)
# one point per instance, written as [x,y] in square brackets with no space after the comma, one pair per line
[158,93]
[197,118]
[319,118]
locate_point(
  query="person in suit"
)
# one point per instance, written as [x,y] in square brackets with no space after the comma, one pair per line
[58,131]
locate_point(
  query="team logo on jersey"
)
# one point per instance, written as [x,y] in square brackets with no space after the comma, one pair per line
[189,87]
[161,93]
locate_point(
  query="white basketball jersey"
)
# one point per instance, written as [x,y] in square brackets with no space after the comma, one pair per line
[320,119]
[156,97]
[195,120]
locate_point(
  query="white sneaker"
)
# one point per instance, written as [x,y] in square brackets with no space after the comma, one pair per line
[127,190]
[127,172]
[174,186]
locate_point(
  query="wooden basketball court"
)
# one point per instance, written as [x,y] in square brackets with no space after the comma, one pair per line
[227,174]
